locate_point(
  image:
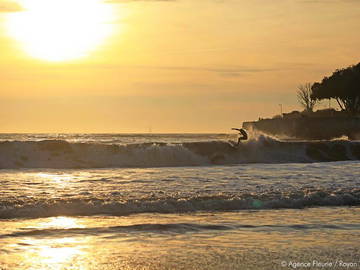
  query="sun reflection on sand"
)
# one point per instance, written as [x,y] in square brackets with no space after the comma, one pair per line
[63,253]
[57,256]
[56,253]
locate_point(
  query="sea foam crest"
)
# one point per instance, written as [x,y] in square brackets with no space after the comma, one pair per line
[112,206]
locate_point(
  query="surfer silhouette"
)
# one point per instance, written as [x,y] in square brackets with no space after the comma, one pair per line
[243,135]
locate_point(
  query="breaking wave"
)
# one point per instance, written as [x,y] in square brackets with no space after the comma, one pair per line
[63,154]
[95,206]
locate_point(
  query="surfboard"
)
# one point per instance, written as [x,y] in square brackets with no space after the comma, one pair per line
[233,144]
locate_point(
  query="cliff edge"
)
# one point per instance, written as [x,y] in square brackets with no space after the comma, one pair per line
[321,125]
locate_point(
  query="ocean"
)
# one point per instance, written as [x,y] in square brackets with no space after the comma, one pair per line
[178,201]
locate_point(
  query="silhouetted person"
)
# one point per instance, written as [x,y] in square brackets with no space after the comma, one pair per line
[242,133]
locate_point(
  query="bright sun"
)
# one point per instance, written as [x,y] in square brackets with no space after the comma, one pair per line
[60,30]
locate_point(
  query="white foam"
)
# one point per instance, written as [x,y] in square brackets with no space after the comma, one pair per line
[88,207]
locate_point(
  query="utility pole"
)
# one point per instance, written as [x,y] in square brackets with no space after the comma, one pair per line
[281,110]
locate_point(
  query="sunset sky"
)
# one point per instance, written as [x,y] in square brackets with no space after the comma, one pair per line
[174,66]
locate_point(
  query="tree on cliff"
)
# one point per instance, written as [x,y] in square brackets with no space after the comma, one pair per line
[304,96]
[344,86]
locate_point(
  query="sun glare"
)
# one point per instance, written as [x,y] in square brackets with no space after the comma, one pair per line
[58,178]
[62,223]
[60,30]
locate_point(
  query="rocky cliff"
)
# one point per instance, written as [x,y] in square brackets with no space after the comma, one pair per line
[309,128]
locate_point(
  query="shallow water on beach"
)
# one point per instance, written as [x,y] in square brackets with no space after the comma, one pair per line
[261,239]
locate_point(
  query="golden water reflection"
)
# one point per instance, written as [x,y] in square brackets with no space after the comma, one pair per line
[115,243]
[62,223]
[59,178]
[56,253]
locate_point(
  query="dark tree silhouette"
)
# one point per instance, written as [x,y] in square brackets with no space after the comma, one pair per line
[344,86]
[304,96]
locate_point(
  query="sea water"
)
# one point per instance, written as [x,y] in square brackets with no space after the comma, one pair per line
[179,201]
